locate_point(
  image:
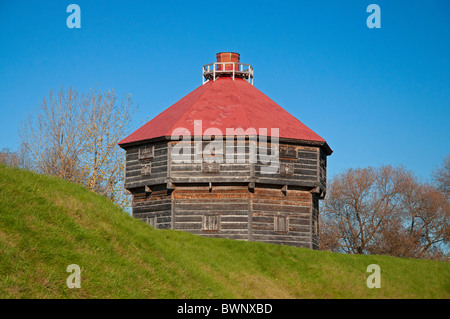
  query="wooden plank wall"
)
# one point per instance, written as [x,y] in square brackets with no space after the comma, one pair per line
[309,169]
[245,214]
[323,171]
[295,205]
[305,163]
[305,168]
[230,202]
[133,166]
[315,222]
[157,206]
[227,172]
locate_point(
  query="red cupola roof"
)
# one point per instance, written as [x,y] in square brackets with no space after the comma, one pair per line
[223,102]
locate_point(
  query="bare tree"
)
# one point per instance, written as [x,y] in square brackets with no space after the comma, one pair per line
[10,158]
[426,218]
[393,239]
[53,137]
[330,234]
[359,202]
[75,137]
[384,211]
[442,177]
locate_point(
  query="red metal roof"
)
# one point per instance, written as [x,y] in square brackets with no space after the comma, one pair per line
[224,103]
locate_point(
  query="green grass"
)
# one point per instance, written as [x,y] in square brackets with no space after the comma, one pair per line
[47,223]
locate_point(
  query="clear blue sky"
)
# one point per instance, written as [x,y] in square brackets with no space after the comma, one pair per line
[378,96]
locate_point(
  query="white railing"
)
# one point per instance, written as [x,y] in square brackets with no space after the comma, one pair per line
[214,70]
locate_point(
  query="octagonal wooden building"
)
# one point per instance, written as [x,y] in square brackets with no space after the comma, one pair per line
[227,161]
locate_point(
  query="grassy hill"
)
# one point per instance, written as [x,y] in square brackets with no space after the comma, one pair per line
[47,224]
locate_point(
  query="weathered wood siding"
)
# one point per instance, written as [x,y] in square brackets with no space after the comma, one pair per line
[153,208]
[295,205]
[134,176]
[323,171]
[302,167]
[315,222]
[231,203]
[245,215]
[230,200]
[192,172]
[297,166]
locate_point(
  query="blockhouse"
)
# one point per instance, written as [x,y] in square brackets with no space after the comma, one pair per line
[227,161]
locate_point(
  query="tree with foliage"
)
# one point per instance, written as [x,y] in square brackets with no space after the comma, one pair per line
[102,162]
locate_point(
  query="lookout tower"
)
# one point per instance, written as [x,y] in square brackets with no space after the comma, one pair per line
[227,161]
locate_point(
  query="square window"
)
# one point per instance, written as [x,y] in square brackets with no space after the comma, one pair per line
[281,224]
[146,169]
[210,167]
[151,221]
[287,151]
[146,152]
[211,222]
[287,169]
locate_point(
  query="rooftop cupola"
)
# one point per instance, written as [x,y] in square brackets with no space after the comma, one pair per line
[227,65]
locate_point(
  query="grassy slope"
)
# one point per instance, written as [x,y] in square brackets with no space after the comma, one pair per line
[47,224]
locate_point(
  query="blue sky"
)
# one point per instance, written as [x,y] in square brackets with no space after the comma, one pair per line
[378,96]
